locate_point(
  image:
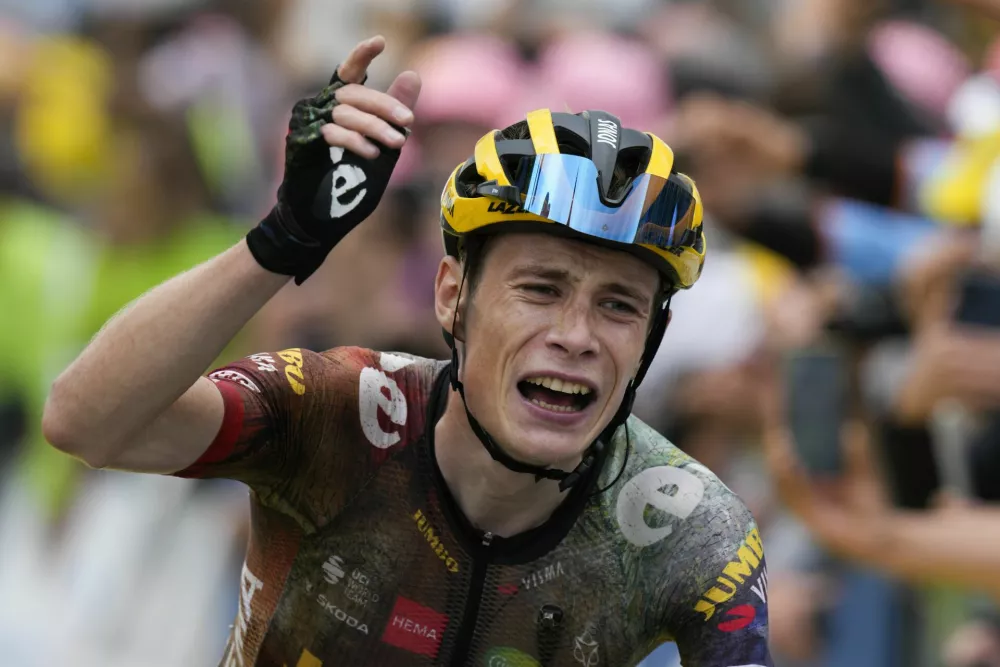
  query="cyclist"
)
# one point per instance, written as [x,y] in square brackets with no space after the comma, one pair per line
[500,508]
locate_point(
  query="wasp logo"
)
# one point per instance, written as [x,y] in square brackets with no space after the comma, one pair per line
[585,649]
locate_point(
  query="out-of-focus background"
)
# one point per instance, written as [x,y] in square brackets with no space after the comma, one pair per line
[847,155]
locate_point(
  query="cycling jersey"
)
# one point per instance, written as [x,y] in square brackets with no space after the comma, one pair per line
[359,555]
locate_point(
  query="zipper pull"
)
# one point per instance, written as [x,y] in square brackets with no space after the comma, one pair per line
[487,538]
[549,633]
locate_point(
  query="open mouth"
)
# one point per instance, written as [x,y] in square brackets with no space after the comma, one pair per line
[555,394]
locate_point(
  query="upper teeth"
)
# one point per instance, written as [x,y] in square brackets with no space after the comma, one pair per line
[555,384]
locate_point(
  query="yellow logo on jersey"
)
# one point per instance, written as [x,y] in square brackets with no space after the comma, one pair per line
[424,526]
[293,371]
[747,560]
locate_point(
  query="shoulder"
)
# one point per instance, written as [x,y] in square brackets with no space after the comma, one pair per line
[681,526]
[690,549]
[385,394]
[344,379]
[298,372]
[393,391]
[346,404]
[671,506]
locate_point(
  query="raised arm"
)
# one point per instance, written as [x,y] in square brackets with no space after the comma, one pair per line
[134,398]
[139,379]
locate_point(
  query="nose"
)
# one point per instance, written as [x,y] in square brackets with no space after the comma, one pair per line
[573,331]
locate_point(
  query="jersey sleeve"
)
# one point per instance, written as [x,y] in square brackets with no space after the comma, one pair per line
[718,612]
[275,406]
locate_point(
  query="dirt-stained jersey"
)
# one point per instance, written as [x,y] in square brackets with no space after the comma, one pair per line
[359,555]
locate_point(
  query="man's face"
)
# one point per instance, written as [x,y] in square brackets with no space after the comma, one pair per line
[555,331]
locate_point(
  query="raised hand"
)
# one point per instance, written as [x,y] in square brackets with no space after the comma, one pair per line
[341,148]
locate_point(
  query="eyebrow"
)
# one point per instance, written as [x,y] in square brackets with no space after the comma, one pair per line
[560,275]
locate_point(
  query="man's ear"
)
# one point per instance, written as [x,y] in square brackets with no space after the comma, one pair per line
[446,296]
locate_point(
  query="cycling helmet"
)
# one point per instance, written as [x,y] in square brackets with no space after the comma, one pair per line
[586,177]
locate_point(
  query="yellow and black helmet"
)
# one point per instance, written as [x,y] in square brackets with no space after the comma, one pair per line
[585,176]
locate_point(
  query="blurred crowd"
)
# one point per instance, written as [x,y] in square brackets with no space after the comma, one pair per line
[847,152]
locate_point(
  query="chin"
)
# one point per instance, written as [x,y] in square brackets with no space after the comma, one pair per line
[536,435]
[543,438]
[546,449]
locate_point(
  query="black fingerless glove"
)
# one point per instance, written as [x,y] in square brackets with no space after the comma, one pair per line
[326,192]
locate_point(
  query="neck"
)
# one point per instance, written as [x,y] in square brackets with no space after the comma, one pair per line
[490,496]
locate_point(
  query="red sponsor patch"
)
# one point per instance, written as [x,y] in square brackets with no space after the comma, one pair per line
[507,589]
[415,628]
[740,616]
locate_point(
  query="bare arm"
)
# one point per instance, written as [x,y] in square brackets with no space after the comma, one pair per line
[135,397]
[956,546]
[851,516]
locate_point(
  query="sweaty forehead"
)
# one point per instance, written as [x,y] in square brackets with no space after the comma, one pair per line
[510,252]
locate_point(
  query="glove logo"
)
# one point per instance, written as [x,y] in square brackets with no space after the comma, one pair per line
[346,177]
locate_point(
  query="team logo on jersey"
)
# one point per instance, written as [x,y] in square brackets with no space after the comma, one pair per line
[760,587]
[358,587]
[293,370]
[507,589]
[543,576]
[341,615]
[434,541]
[585,649]
[265,362]
[249,584]
[749,556]
[738,618]
[415,628]
[235,376]
[378,394]
[334,569]
[672,490]
[534,579]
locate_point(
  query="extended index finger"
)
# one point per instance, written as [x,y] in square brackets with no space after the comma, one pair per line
[355,66]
